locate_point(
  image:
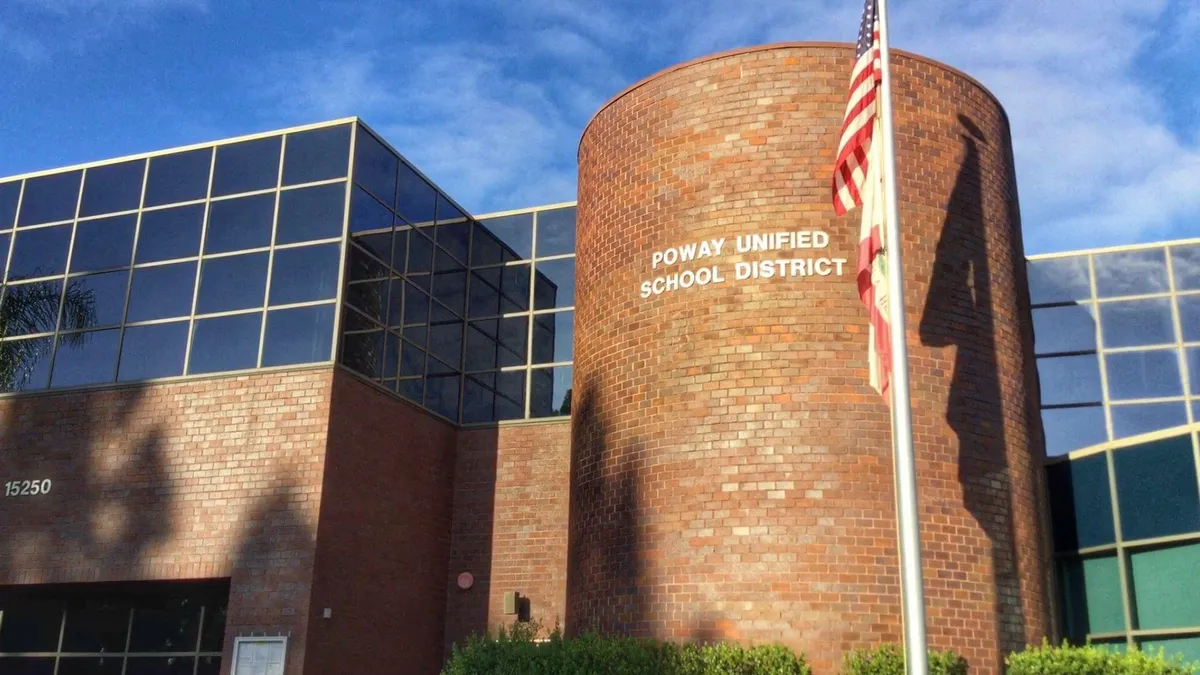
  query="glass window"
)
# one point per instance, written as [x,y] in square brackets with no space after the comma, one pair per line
[311,213]
[319,154]
[98,627]
[450,288]
[555,232]
[484,298]
[30,364]
[514,287]
[375,167]
[1142,418]
[1166,588]
[554,284]
[363,267]
[513,333]
[453,237]
[1131,273]
[91,665]
[445,342]
[510,395]
[305,274]
[553,337]
[485,248]
[1063,329]
[1186,649]
[1156,489]
[412,360]
[235,224]
[1189,317]
[1069,429]
[378,244]
[1059,280]
[161,292]
[1080,503]
[179,177]
[1185,264]
[50,198]
[417,199]
[10,194]
[300,335]
[40,253]
[246,166]
[1193,359]
[441,395]
[515,235]
[169,625]
[33,308]
[420,253]
[395,305]
[1091,596]
[86,358]
[1149,374]
[371,297]
[4,239]
[96,300]
[225,343]
[103,244]
[112,188]
[400,250]
[27,665]
[30,628]
[391,355]
[1069,379]
[1137,323]
[167,234]
[363,352]
[157,350]
[550,392]
[232,283]
[367,213]
[478,402]
[481,347]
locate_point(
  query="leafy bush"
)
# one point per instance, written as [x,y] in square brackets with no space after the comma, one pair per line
[516,652]
[1093,660]
[889,660]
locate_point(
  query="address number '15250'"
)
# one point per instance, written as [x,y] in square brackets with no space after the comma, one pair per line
[22,488]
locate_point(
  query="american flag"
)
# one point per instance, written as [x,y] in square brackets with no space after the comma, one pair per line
[858,181]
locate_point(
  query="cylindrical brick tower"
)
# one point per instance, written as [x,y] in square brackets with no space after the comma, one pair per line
[732,468]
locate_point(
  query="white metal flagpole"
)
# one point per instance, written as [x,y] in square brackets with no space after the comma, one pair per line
[912,589]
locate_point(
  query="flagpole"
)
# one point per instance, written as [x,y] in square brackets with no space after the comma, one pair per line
[912,590]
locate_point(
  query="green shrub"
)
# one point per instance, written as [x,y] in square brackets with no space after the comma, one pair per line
[889,660]
[1093,660]
[515,652]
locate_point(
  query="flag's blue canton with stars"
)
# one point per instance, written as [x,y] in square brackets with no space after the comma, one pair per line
[866,30]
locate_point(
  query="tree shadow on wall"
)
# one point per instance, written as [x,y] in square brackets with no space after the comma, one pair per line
[958,312]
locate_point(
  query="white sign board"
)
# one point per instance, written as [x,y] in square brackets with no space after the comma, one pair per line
[259,655]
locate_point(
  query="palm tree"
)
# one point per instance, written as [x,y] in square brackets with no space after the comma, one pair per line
[34,308]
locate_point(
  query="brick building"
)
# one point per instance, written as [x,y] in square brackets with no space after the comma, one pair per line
[279,401]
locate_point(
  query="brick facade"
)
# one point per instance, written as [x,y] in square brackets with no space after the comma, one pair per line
[731,472]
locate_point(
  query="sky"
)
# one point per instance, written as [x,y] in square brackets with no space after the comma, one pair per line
[489,98]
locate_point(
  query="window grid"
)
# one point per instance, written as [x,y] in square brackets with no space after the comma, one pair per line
[66,276]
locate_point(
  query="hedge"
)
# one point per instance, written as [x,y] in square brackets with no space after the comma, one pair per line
[889,660]
[1094,660]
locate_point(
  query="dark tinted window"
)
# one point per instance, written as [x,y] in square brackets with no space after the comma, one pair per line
[104,294]
[50,198]
[1091,596]
[1064,329]
[300,335]
[1189,317]
[370,297]
[311,213]
[417,200]
[90,665]
[30,628]
[246,166]
[367,213]
[485,248]
[513,333]
[1193,360]
[1185,264]
[1059,280]
[116,187]
[363,267]
[166,234]
[85,358]
[1151,374]
[420,253]
[235,224]
[231,283]
[412,360]
[441,395]
[1069,379]
[1080,503]
[181,177]
[553,336]
[96,627]
[40,253]
[554,284]
[375,167]
[103,244]
[161,292]
[478,402]
[305,274]
[550,392]
[484,298]
[1137,322]
[1156,487]
[555,232]
[450,288]
[225,343]
[416,306]
[316,155]
[378,244]
[1131,273]
[30,361]
[514,287]
[10,194]
[160,665]
[453,238]
[153,351]
[33,308]
[1131,420]
[168,625]
[445,342]
[515,235]
[363,352]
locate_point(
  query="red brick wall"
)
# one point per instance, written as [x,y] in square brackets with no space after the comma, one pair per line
[732,471]
[510,525]
[384,536]
[207,478]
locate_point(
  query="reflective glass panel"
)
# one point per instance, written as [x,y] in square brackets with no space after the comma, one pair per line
[514,286]
[27,665]
[311,213]
[1148,374]
[225,343]
[1068,429]
[378,245]
[232,283]
[1059,280]
[363,267]
[510,395]
[395,305]
[478,402]
[513,333]
[169,625]
[1141,418]
[299,335]
[96,300]
[1064,329]
[420,253]
[453,231]
[5,238]
[96,627]
[235,224]
[367,213]
[555,232]
[375,167]
[40,253]
[1091,595]
[1186,649]
[515,235]
[160,665]
[179,177]
[481,348]
[485,248]
[417,199]
[1189,317]
[246,166]
[161,292]
[1137,322]
[550,392]
[29,364]
[413,389]
[445,342]
[363,352]
[441,395]
[319,154]
[33,308]
[1080,503]
[450,288]
[50,198]
[1193,359]
[167,234]
[553,337]
[412,360]
[391,355]
[153,351]
[10,194]
[1166,588]
[416,306]
[371,297]
[554,284]
[1185,264]
[102,244]
[305,274]
[112,188]
[1156,488]
[86,358]
[1069,379]
[484,298]
[1131,273]
[30,627]
[400,250]
[90,665]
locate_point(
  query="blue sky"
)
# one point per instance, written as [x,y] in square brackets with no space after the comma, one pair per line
[489,98]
